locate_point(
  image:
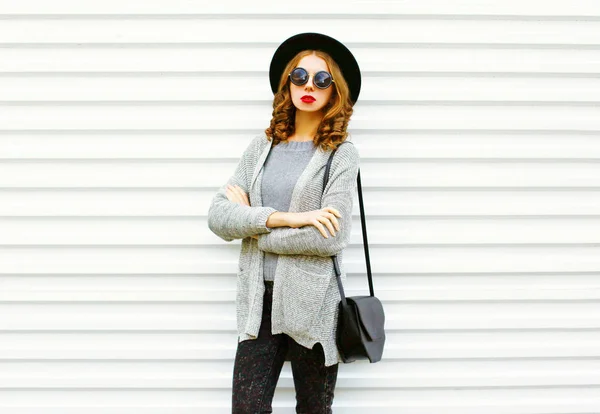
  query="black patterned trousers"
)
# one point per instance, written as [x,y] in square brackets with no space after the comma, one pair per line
[258,363]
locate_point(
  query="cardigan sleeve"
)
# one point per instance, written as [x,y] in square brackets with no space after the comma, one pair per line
[339,194]
[230,220]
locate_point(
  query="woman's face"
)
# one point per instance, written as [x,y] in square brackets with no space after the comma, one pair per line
[312,64]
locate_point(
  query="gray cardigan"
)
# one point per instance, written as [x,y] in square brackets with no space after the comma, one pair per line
[305,292]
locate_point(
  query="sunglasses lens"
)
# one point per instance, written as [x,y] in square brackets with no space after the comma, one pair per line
[299,76]
[322,79]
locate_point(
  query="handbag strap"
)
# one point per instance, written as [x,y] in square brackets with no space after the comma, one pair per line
[364,233]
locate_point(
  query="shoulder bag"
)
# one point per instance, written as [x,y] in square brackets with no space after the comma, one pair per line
[360,329]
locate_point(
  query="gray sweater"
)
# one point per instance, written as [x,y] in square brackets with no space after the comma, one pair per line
[305,292]
[283,166]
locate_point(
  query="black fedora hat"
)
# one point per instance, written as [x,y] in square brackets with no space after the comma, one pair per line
[316,41]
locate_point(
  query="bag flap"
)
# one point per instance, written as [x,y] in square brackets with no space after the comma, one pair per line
[372,317]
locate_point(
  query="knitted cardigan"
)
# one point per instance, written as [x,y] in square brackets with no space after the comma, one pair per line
[305,292]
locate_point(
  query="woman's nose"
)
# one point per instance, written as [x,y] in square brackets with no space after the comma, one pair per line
[309,85]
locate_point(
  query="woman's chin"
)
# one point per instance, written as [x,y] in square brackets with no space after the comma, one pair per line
[307,107]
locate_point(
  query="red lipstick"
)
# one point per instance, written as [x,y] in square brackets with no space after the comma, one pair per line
[307,99]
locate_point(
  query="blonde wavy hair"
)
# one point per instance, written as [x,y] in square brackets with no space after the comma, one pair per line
[337,112]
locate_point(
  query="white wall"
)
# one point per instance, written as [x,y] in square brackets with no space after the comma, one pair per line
[478,127]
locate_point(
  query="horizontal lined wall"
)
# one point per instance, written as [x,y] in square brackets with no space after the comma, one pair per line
[478,127]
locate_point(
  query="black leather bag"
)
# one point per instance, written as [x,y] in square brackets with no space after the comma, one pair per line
[360,329]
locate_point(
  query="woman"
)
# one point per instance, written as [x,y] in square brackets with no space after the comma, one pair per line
[287,294]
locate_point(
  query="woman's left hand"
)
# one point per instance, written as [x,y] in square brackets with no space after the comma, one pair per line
[237,195]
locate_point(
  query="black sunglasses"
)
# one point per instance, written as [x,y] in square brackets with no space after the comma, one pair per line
[322,79]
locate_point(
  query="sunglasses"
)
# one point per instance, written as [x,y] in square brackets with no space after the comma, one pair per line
[321,79]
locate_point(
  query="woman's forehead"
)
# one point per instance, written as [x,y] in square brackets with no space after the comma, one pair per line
[312,62]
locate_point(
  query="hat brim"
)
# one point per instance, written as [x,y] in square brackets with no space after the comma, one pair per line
[316,41]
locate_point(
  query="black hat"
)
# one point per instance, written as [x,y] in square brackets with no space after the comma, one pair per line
[317,41]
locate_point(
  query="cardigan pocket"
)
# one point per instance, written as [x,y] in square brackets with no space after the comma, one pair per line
[242,300]
[303,293]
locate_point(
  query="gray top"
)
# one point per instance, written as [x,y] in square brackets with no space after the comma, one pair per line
[284,164]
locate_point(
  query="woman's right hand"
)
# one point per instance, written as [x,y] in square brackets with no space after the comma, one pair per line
[325,217]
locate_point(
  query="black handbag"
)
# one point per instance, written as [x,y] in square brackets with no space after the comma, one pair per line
[360,329]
